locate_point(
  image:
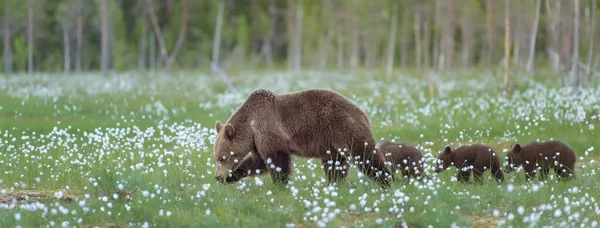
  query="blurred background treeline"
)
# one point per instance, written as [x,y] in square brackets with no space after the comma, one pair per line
[125,35]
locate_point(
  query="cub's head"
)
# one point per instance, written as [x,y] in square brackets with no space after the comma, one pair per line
[514,158]
[231,148]
[444,160]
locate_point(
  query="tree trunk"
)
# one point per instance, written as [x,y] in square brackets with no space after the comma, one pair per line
[558,37]
[448,34]
[554,29]
[538,5]
[181,36]
[216,69]
[8,55]
[437,41]
[417,28]
[152,49]
[575,63]
[104,52]
[67,50]
[290,31]
[267,49]
[506,45]
[157,31]
[517,32]
[490,31]
[591,48]
[355,48]
[392,40]
[298,35]
[468,38]
[30,45]
[426,51]
[405,38]
[143,45]
[566,39]
[217,38]
[339,35]
[79,36]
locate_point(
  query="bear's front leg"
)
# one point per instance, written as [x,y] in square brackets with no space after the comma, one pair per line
[279,166]
[249,167]
[463,176]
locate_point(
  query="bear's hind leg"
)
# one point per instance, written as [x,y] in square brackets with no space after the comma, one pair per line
[335,168]
[564,172]
[478,175]
[497,173]
[372,163]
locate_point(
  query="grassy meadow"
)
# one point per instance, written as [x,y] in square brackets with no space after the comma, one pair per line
[73,147]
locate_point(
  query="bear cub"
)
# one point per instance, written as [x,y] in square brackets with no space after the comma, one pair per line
[476,157]
[542,156]
[404,158]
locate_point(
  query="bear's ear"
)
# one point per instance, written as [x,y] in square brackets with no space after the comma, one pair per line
[229,131]
[516,148]
[447,149]
[219,126]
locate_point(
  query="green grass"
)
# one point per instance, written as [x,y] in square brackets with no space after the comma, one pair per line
[88,135]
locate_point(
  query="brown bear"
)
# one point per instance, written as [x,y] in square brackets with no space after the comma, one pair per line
[476,157]
[268,128]
[542,156]
[404,158]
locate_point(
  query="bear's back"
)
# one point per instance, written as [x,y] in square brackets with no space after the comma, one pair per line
[317,108]
[549,149]
[472,154]
[400,151]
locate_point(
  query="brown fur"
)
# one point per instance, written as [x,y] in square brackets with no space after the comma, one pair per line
[542,156]
[479,156]
[268,128]
[404,158]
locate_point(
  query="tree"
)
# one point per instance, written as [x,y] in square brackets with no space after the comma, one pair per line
[67,12]
[392,39]
[104,53]
[533,36]
[30,45]
[79,35]
[217,37]
[216,69]
[158,34]
[8,55]
[181,36]
[490,31]
[591,49]
[298,35]
[417,27]
[506,44]
[575,63]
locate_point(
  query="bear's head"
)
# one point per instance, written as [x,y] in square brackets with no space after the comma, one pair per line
[514,158]
[444,160]
[231,148]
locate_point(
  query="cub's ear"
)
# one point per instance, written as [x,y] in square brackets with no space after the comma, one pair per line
[447,149]
[516,148]
[229,131]
[219,126]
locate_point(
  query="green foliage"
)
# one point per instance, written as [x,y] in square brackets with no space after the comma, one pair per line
[246,25]
[20,52]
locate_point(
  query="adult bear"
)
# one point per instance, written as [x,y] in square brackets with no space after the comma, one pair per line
[268,128]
